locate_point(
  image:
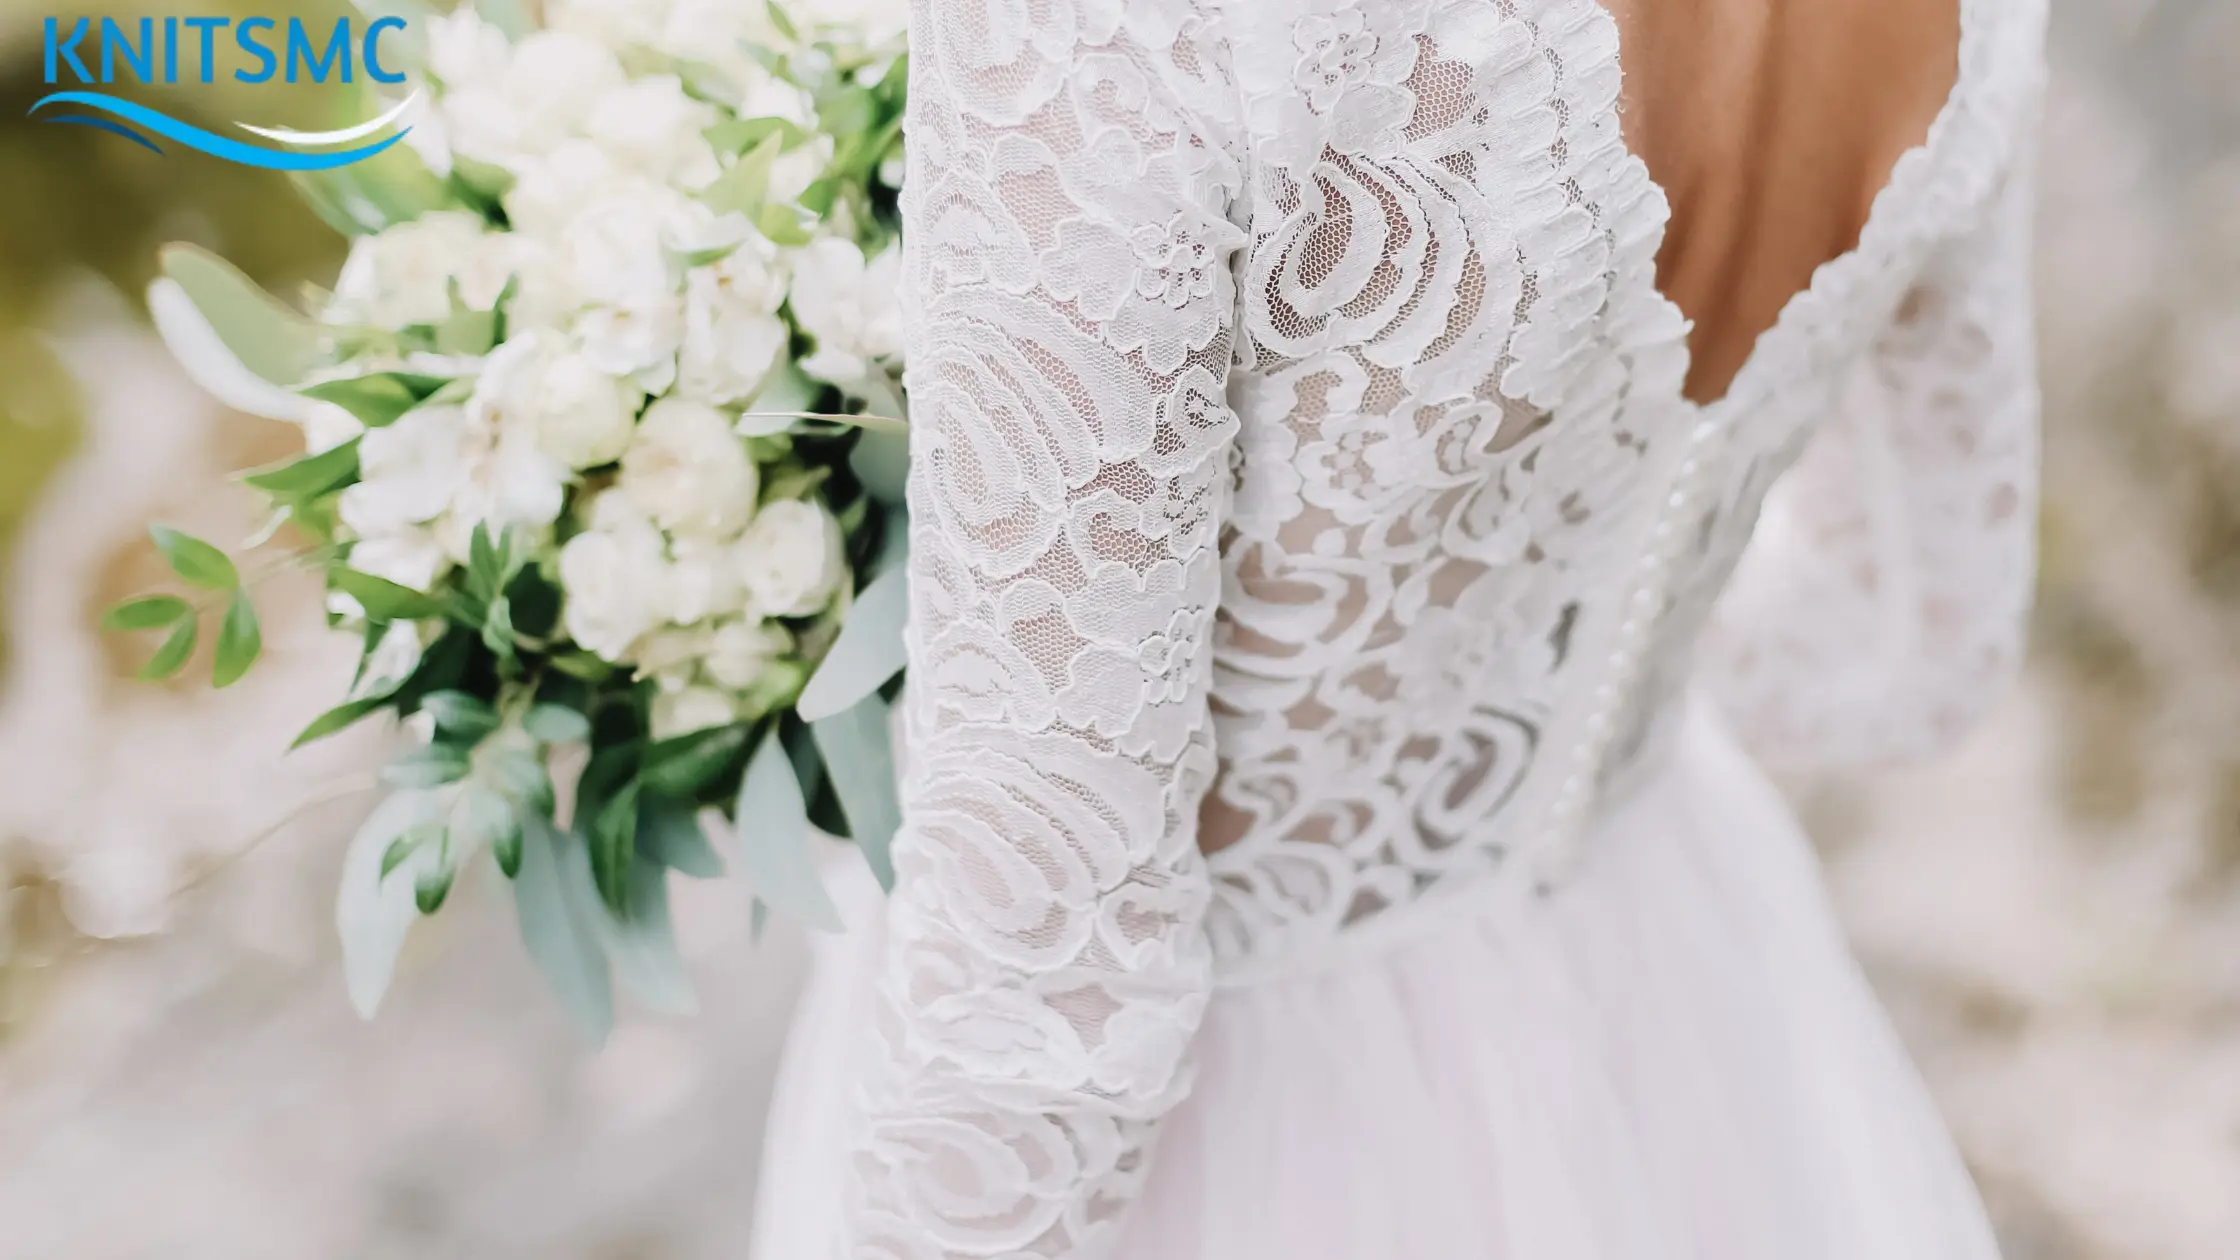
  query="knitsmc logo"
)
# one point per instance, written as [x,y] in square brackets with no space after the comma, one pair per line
[253,49]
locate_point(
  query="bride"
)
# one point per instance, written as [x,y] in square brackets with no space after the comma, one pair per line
[1377,465]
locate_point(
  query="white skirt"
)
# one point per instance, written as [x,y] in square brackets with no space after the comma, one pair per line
[1674,1057]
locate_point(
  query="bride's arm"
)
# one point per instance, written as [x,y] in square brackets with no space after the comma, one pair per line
[1067,252]
[1881,606]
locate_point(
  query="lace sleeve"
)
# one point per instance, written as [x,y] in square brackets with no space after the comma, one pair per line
[1046,966]
[1882,603]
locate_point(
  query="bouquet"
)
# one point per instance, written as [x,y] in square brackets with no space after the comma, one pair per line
[603,466]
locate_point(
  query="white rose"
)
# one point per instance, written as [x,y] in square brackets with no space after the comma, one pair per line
[540,101]
[852,307]
[509,482]
[739,651]
[732,333]
[551,188]
[403,275]
[568,408]
[614,247]
[639,342]
[611,580]
[704,580]
[689,709]
[409,471]
[686,470]
[651,126]
[791,558]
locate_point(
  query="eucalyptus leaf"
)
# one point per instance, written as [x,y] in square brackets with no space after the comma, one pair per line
[464,718]
[776,844]
[430,765]
[868,652]
[556,724]
[675,834]
[240,641]
[683,765]
[857,744]
[172,655]
[274,343]
[195,561]
[561,938]
[614,841]
[148,612]
[432,886]
[641,943]
[373,914]
[881,461]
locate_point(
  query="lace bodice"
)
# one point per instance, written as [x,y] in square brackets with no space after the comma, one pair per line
[1301,474]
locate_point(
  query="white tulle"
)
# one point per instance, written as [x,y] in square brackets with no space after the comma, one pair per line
[1301,475]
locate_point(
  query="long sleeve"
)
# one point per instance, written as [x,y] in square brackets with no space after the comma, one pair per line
[1067,254]
[1882,604]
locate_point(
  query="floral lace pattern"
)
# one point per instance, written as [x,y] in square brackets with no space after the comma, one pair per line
[1289,379]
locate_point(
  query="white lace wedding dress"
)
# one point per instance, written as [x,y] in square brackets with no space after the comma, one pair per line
[1302,474]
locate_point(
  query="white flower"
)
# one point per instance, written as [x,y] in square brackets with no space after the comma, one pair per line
[326,426]
[850,306]
[540,100]
[794,171]
[463,49]
[403,275]
[551,188]
[739,651]
[732,333]
[704,580]
[569,409]
[791,558]
[686,470]
[639,342]
[689,709]
[651,126]
[409,471]
[508,482]
[612,249]
[409,557]
[612,577]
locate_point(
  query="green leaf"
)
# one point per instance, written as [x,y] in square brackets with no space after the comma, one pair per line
[497,627]
[868,652]
[146,613]
[173,654]
[683,765]
[337,718]
[556,724]
[480,817]
[431,887]
[239,642]
[464,718]
[786,223]
[399,849]
[310,476]
[745,184]
[642,943]
[587,666]
[614,838]
[271,341]
[858,751]
[782,22]
[383,599]
[378,398]
[738,135]
[507,850]
[509,16]
[521,776]
[881,461]
[430,766]
[669,832]
[776,844]
[560,936]
[373,914]
[195,561]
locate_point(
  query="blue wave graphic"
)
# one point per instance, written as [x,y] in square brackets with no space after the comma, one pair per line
[205,141]
[113,128]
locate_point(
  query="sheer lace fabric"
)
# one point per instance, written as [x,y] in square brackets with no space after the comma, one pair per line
[1301,475]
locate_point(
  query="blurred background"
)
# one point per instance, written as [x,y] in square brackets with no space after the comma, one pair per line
[2054,915]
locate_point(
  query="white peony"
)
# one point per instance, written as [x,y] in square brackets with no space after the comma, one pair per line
[851,306]
[639,342]
[686,470]
[537,387]
[612,579]
[551,188]
[791,558]
[508,482]
[540,100]
[732,333]
[738,652]
[687,709]
[651,126]
[403,275]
